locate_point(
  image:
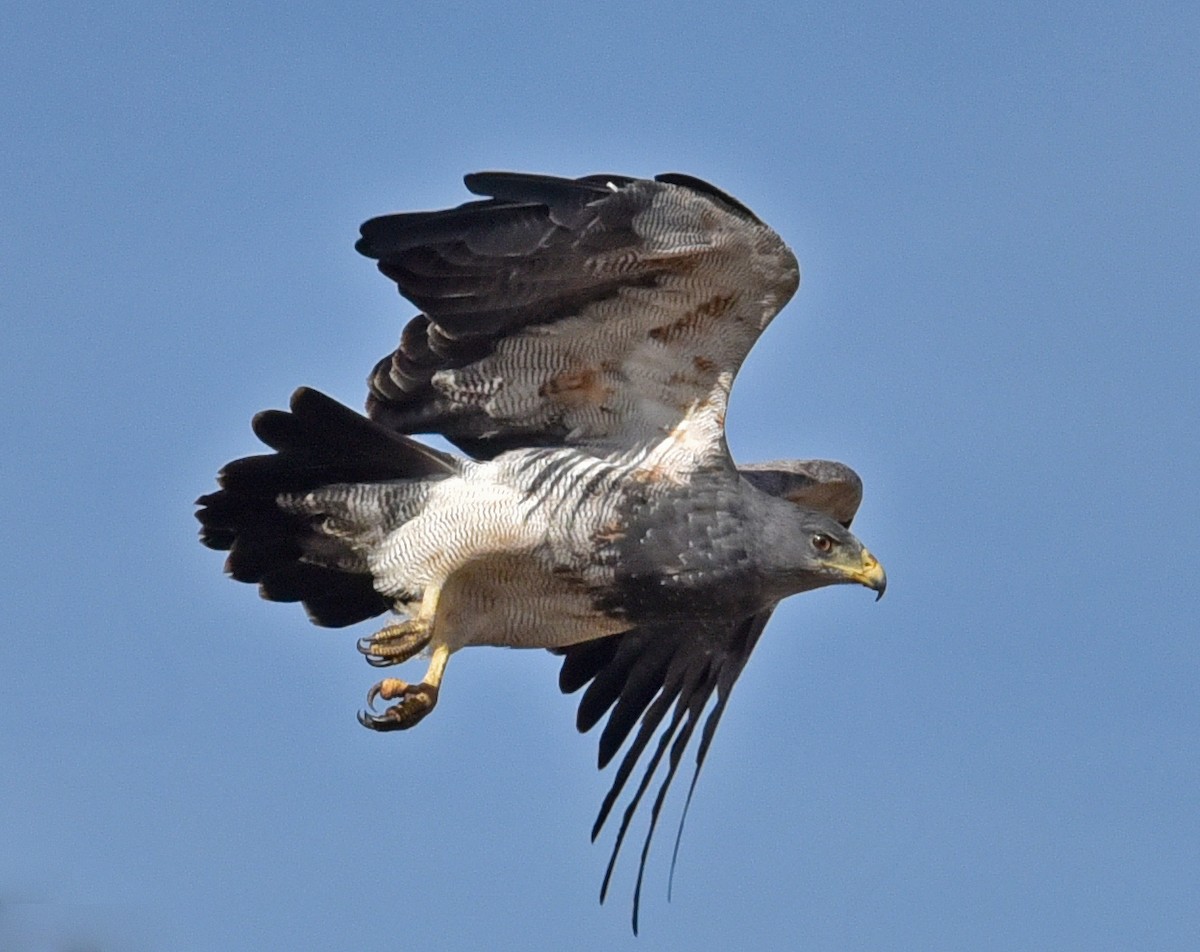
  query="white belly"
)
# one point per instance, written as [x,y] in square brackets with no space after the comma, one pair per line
[499,561]
[514,602]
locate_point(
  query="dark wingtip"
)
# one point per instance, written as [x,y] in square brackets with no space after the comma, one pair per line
[478,183]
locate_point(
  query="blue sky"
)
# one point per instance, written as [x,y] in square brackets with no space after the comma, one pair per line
[995,207]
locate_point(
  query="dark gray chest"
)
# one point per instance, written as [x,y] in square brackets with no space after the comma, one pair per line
[682,552]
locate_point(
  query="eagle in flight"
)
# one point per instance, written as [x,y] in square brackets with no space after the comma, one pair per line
[577,340]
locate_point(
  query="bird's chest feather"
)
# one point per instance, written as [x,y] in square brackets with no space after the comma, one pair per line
[681,554]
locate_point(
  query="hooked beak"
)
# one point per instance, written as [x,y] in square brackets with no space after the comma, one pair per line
[870,574]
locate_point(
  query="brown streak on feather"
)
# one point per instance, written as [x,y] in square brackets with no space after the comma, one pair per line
[655,473]
[611,531]
[576,387]
[700,380]
[680,379]
[715,306]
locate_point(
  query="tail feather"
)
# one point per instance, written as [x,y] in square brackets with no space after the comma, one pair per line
[277,515]
[332,598]
[319,441]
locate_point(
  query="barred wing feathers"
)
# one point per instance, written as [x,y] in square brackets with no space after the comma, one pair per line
[599,311]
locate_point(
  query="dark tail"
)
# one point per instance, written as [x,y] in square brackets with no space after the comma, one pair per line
[273,513]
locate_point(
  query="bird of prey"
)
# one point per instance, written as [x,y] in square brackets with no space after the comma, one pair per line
[577,339]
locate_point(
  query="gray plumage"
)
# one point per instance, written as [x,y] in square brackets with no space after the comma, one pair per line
[578,339]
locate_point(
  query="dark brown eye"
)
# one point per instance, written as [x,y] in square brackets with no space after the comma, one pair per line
[822,543]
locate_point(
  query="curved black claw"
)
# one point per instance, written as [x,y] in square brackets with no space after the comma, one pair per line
[366,647]
[363,645]
[415,701]
[394,644]
[380,722]
[372,696]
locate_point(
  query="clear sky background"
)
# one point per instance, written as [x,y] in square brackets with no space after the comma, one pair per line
[996,207]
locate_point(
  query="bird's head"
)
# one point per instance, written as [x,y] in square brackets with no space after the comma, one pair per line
[809,549]
[835,553]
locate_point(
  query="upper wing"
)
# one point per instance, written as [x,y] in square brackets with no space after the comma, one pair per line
[603,311]
[644,674]
[820,484]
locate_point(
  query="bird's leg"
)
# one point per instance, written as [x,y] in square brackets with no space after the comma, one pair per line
[397,643]
[416,700]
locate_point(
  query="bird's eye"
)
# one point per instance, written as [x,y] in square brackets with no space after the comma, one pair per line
[822,543]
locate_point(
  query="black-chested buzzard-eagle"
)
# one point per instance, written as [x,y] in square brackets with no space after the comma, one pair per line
[578,339]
